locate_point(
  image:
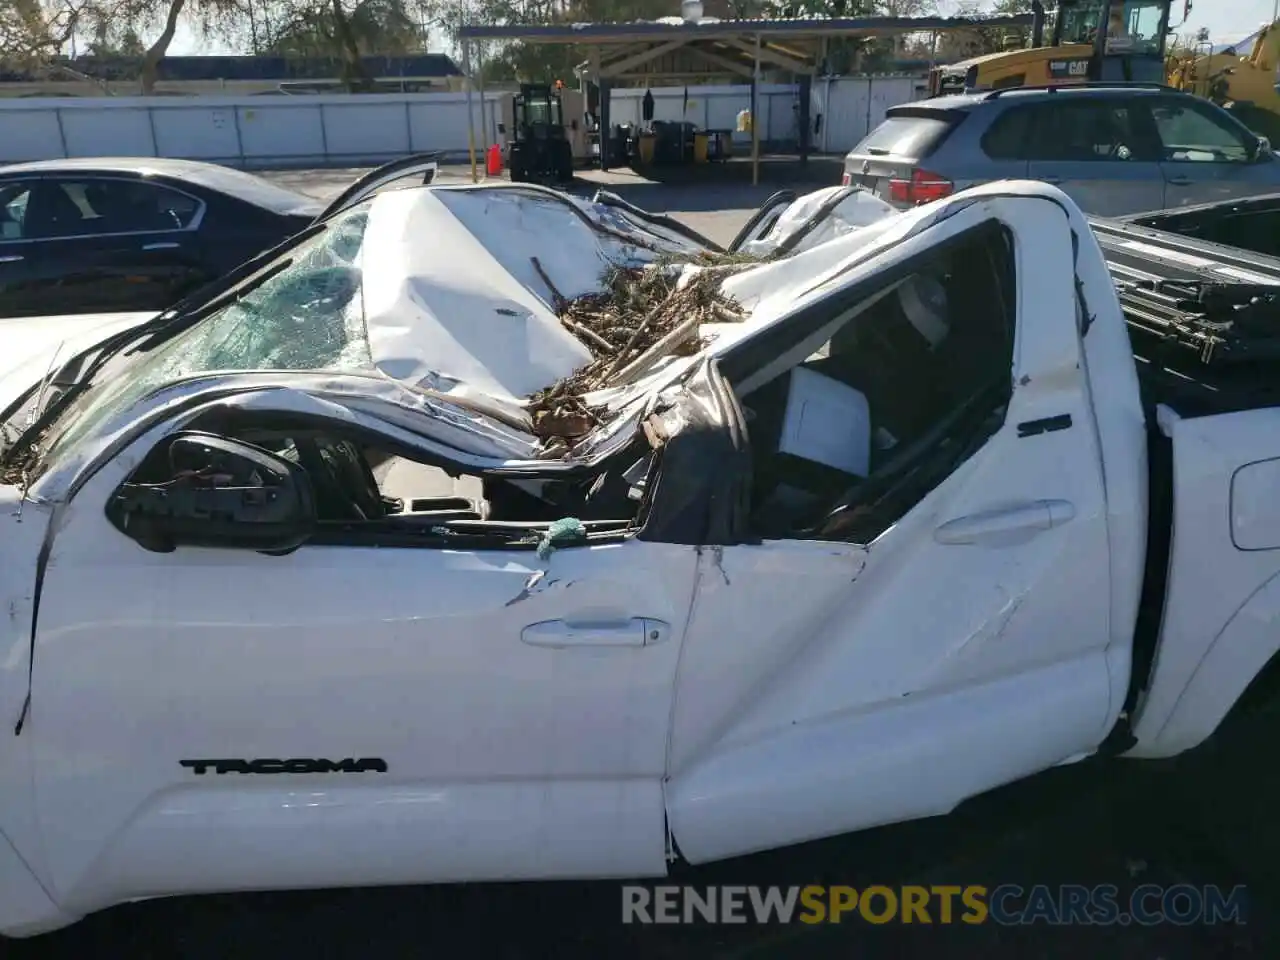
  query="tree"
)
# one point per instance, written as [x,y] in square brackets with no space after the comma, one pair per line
[975,41]
[151,57]
[372,26]
[116,27]
[33,32]
[124,43]
[904,8]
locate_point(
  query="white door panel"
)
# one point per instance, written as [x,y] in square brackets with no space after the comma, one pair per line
[504,759]
[210,841]
[740,643]
[907,758]
[970,650]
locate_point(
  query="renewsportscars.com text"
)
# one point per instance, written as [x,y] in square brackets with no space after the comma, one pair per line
[1006,904]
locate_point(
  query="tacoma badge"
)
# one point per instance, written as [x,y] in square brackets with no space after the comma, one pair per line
[296,765]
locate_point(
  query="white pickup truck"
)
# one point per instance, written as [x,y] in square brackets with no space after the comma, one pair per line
[916,527]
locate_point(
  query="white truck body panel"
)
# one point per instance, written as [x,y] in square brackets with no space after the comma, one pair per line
[1220,625]
[907,664]
[575,714]
[554,758]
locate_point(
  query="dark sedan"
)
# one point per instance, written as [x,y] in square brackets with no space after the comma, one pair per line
[100,235]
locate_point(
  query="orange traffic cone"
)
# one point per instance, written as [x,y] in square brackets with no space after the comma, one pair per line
[493,160]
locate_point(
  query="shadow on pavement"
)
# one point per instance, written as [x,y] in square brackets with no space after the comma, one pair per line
[713,187]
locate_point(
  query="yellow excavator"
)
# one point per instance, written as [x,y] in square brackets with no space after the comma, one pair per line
[1244,85]
[1092,40]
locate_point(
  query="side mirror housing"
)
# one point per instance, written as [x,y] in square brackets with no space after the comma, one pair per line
[1263,149]
[218,493]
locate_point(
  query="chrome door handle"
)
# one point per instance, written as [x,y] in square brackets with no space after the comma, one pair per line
[635,632]
[15,258]
[162,246]
[1008,525]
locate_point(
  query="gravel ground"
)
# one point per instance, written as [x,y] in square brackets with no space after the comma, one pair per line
[1206,819]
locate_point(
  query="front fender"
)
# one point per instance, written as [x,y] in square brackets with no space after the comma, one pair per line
[1238,654]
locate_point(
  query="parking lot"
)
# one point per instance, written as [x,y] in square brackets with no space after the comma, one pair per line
[1205,819]
[716,207]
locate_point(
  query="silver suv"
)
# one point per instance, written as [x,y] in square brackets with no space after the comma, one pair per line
[1114,148]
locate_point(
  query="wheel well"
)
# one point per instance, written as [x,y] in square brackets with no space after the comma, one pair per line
[1262,693]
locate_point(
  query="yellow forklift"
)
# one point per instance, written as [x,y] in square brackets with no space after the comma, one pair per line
[1092,40]
[1245,85]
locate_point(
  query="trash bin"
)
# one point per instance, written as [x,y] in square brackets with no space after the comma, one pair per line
[646,144]
[700,142]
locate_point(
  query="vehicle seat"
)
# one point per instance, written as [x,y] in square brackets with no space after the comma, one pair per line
[10,226]
[61,215]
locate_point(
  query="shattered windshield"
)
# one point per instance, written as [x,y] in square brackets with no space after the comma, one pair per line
[309,316]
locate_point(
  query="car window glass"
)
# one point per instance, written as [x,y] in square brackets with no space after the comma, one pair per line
[1087,131]
[1080,22]
[307,317]
[1133,26]
[1008,136]
[1192,134]
[904,136]
[97,207]
[13,210]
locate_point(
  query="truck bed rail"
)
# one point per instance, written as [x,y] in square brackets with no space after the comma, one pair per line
[1221,303]
[1204,318]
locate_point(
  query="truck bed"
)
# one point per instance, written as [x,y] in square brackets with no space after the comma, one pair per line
[1249,224]
[1204,318]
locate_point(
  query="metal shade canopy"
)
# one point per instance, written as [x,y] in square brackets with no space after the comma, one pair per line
[675,49]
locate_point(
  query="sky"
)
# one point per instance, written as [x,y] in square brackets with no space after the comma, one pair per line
[1227,20]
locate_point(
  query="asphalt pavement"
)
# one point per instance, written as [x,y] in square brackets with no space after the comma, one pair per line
[1202,820]
[715,207]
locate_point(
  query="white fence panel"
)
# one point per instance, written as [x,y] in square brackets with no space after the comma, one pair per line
[277,133]
[108,133]
[856,105]
[341,129]
[713,108]
[29,135]
[353,128]
[196,133]
[253,131]
[722,110]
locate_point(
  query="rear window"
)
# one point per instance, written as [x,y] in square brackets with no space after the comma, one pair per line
[908,136]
